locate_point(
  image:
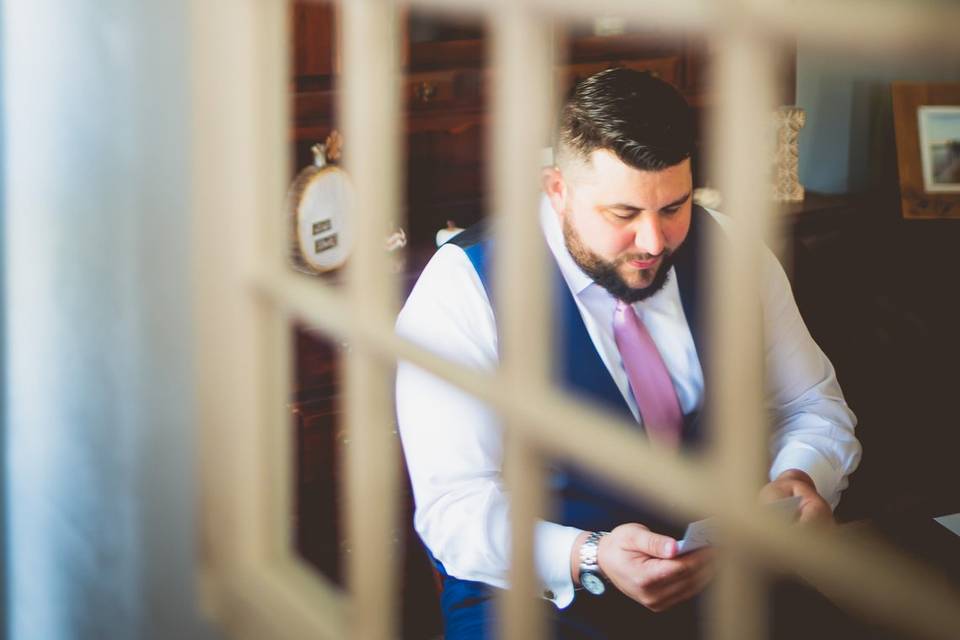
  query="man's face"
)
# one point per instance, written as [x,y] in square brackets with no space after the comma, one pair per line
[622,224]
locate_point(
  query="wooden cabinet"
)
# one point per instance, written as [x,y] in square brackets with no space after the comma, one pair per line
[314,40]
[320,443]
[446,90]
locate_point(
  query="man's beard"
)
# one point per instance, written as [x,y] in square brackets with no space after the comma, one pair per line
[604,272]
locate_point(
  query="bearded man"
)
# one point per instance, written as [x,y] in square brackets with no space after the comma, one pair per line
[618,216]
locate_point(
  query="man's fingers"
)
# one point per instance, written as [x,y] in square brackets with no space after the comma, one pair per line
[687,579]
[816,511]
[676,570]
[661,573]
[653,544]
[686,589]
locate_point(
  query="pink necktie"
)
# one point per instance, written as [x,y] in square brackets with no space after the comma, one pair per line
[649,378]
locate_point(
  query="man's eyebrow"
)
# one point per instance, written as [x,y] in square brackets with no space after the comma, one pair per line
[678,201]
[633,209]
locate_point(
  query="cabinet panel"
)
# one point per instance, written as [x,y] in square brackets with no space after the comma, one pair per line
[314,37]
[667,69]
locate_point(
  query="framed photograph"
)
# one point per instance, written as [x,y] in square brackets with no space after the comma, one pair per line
[926,119]
[940,148]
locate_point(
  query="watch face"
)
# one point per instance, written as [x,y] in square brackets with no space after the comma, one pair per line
[592,583]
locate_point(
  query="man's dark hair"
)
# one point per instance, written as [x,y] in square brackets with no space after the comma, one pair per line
[640,118]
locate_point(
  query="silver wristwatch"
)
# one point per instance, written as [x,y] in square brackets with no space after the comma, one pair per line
[591,577]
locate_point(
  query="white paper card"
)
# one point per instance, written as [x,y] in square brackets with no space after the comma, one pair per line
[699,534]
[951,522]
[702,533]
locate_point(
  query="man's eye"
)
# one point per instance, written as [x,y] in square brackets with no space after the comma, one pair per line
[671,210]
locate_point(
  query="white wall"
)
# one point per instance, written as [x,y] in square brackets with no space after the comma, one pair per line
[99,456]
[848,141]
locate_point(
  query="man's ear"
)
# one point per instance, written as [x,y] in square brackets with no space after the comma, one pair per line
[554,187]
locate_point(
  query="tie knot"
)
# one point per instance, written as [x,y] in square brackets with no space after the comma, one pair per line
[625,307]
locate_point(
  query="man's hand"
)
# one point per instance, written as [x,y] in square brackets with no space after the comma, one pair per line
[643,565]
[793,482]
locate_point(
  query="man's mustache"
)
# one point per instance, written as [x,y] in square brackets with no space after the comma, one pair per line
[643,257]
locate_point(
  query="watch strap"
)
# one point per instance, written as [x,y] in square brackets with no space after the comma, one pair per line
[588,553]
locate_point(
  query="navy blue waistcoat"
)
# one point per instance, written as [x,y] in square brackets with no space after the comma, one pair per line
[581,501]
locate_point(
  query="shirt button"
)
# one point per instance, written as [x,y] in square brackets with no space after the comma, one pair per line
[548,595]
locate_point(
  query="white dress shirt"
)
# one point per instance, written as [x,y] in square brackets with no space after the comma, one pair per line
[452,442]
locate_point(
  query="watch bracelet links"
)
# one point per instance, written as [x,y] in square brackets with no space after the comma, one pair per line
[588,553]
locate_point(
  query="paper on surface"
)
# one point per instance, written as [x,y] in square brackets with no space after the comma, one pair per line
[951,522]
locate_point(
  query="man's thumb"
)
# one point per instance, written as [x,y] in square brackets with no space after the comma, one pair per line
[653,544]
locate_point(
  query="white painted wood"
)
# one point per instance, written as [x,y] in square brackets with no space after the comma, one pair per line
[227,165]
[744,73]
[679,16]
[557,422]
[239,159]
[523,99]
[370,104]
[887,29]
[737,599]
[239,153]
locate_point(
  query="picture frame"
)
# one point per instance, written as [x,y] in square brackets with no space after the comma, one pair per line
[926,119]
[940,148]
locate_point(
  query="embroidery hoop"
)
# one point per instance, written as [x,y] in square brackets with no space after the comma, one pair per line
[318,205]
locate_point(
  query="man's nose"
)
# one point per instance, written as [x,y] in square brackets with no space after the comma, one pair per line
[648,236]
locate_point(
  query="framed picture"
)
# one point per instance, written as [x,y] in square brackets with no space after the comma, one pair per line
[940,148]
[926,118]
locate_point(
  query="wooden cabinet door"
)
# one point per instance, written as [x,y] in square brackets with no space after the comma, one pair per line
[314,39]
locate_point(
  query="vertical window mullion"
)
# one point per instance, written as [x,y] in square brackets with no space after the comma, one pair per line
[524,97]
[741,147]
[275,341]
[370,110]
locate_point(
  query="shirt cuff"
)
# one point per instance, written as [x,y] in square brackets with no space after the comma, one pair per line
[797,455]
[554,543]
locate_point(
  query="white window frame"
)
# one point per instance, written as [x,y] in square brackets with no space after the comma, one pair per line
[246,297]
